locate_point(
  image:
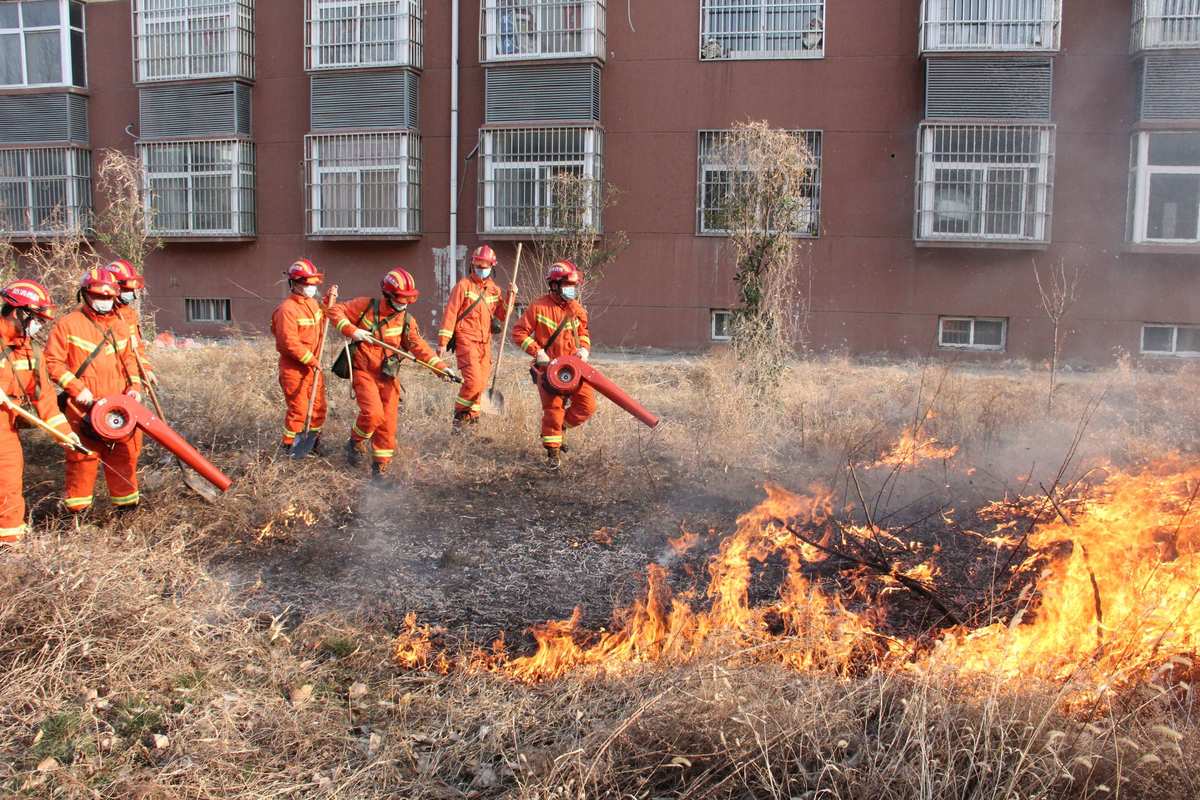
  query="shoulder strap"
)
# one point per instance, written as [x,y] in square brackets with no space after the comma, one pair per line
[87,362]
[470,308]
[554,336]
[6,354]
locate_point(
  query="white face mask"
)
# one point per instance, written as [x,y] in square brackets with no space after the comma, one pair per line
[396,306]
[309,291]
[102,306]
[33,326]
[570,292]
[483,274]
[128,297]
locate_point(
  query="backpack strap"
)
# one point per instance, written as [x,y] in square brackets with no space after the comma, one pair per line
[557,331]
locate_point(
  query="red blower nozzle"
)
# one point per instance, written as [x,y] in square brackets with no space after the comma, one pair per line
[564,376]
[118,417]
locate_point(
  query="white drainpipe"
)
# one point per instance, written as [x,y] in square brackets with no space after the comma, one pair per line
[454,57]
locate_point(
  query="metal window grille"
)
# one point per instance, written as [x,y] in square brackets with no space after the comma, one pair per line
[42,43]
[722,325]
[208,309]
[1165,24]
[985,183]
[200,188]
[750,29]
[990,25]
[972,333]
[716,181]
[1164,178]
[344,34]
[45,190]
[520,173]
[513,30]
[1172,340]
[186,39]
[363,184]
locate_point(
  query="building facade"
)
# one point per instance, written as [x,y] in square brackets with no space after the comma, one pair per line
[956,143]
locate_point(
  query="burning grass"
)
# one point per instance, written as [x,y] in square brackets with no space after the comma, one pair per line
[780,667]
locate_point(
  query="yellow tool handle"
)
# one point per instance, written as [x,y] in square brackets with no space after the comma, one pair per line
[405,354]
[37,422]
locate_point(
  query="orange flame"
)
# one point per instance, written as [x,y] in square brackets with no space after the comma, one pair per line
[916,445]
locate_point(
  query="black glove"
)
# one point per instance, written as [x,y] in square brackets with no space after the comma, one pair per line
[497,326]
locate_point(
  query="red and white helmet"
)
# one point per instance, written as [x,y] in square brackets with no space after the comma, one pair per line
[126,274]
[304,271]
[484,256]
[399,284]
[564,273]
[99,282]
[29,295]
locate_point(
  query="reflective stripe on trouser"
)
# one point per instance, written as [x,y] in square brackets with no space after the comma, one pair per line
[296,385]
[378,410]
[120,471]
[12,468]
[556,414]
[475,364]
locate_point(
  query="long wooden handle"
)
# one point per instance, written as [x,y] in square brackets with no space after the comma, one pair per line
[37,422]
[405,354]
[331,298]
[512,301]
[149,386]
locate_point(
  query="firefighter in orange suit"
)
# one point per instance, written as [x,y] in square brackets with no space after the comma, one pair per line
[130,283]
[472,315]
[555,325]
[298,324]
[376,383]
[26,309]
[90,355]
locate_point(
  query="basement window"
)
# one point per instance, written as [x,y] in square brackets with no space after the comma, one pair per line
[1171,340]
[1164,181]
[208,309]
[44,190]
[722,325]
[190,39]
[761,29]
[972,333]
[364,184]
[200,188]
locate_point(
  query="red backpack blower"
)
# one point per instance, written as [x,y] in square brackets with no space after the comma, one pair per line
[564,376]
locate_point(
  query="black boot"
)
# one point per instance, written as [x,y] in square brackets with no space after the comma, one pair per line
[553,461]
[356,450]
[379,472]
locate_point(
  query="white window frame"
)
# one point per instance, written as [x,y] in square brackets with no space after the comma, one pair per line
[64,29]
[990,348]
[1141,174]
[713,314]
[407,189]
[1153,19]
[240,184]
[812,40]
[498,45]
[190,304]
[1040,163]
[236,56]
[78,191]
[409,39]
[590,163]
[708,164]
[1174,352]
[996,26]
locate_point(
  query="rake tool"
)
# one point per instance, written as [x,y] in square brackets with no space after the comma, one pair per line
[441,373]
[493,398]
[307,439]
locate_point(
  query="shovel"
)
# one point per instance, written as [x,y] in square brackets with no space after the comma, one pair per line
[493,398]
[206,491]
[307,440]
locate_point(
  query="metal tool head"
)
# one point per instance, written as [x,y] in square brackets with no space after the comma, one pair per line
[492,403]
[304,444]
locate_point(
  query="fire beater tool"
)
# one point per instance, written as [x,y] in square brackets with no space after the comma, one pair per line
[118,417]
[564,375]
[190,478]
[405,354]
[38,423]
[307,439]
[493,398]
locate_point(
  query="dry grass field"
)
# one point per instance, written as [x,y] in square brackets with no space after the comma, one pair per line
[258,648]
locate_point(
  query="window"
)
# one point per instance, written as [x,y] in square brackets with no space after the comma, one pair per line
[722,325]
[733,29]
[1164,24]
[341,34]
[995,25]
[362,184]
[186,39]
[205,309]
[525,29]
[716,181]
[538,180]
[200,188]
[972,333]
[985,183]
[1171,340]
[45,190]
[42,43]
[1165,188]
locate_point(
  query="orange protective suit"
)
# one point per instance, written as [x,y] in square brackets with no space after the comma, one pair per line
[114,371]
[378,394]
[25,381]
[133,320]
[532,331]
[472,332]
[298,324]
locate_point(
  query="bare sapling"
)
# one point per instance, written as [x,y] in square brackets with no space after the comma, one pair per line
[1057,291]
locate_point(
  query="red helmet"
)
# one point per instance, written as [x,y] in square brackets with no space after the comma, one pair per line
[564,272]
[484,256]
[126,274]
[304,271]
[399,284]
[29,295]
[99,282]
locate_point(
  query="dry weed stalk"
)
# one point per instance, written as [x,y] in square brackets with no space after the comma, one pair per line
[122,222]
[1057,294]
